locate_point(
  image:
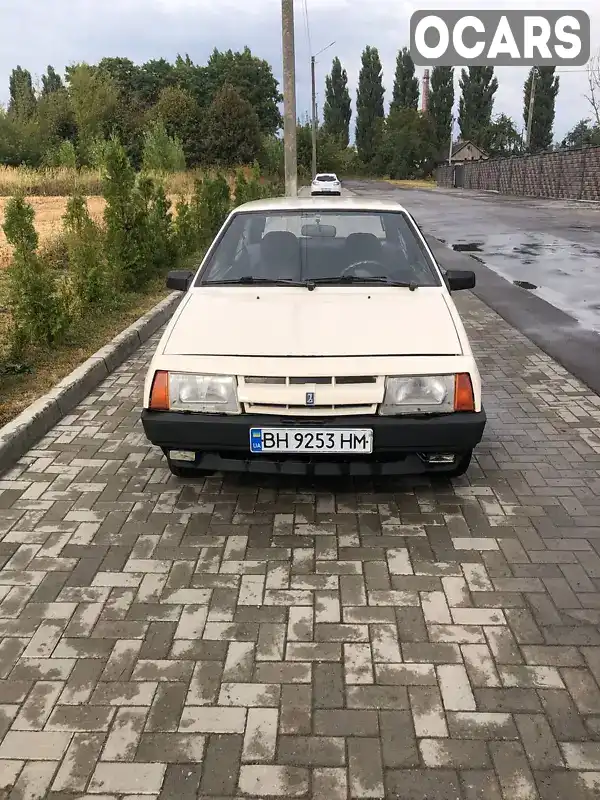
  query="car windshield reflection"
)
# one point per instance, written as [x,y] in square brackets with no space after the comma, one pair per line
[295,247]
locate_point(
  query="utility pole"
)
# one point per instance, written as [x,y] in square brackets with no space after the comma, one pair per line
[314,108]
[451,140]
[531,105]
[314,117]
[289,98]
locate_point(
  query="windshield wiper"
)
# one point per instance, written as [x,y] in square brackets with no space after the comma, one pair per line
[251,280]
[312,283]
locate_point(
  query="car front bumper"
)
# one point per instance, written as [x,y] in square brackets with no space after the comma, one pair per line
[400,445]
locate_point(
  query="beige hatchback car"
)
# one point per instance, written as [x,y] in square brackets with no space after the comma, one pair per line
[318,336]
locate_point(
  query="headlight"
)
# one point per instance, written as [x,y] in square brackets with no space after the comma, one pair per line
[186,391]
[419,394]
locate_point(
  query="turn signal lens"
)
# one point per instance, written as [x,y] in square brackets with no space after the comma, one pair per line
[464,400]
[159,394]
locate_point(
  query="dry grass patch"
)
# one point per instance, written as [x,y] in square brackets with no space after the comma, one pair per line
[61,181]
[41,190]
[413,184]
[49,212]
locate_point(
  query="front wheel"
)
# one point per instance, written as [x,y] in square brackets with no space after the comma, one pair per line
[461,466]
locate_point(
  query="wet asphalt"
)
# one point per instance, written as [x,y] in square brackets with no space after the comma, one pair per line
[537,262]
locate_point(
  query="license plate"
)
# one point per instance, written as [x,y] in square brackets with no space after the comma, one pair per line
[310,440]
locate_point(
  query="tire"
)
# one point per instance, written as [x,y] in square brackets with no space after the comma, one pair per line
[462,466]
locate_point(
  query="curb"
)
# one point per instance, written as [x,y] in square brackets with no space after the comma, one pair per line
[17,436]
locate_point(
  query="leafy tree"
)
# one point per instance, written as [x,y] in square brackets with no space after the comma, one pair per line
[178,110]
[441,103]
[51,82]
[369,102]
[128,121]
[406,85]
[194,79]
[20,141]
[270,157]
[22,103]
[162,153]
[584,134]
[504,138]
[95,100]
[154,76]
[408,148]
[123,73]
[56,117]
[304,148]
[546,89]
[63,155]
[231,129]
[337,110]
[478,86]
[253,79]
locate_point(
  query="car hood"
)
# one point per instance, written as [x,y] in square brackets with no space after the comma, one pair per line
[329,321]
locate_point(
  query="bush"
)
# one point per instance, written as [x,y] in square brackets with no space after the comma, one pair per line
[39,311]
[92,281]
[213,204]
[161,245]
[185,233]
[64,155]
[270,157]
[126,220]
[96,152]
[162,153]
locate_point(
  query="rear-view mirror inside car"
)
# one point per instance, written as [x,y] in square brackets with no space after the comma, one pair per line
[460,279]
[328,231]
[179,279]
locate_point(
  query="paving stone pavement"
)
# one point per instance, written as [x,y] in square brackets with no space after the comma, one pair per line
[239,637]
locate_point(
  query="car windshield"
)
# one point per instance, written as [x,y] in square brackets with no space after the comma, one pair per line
[322,246]
[326,178]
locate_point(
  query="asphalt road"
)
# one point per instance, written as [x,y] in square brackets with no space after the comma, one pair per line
[537,262]
[553,246]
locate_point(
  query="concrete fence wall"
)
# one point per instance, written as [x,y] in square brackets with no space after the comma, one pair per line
[566,174]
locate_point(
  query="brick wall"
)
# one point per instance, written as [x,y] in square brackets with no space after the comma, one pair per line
[567,174]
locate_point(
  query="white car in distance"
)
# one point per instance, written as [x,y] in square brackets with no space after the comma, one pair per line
[326,183]
[318,336]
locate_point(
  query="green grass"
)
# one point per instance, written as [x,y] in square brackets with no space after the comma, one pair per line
[22,384]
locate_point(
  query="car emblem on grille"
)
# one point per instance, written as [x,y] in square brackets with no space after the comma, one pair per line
[310,398]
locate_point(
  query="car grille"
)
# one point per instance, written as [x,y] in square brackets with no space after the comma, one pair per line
[334,396]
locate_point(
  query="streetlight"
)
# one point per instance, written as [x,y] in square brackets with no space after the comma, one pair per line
[314,108]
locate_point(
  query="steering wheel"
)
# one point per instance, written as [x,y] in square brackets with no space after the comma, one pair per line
[356,264]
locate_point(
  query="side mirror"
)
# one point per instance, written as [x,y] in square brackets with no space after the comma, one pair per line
[460,279]
[179,279]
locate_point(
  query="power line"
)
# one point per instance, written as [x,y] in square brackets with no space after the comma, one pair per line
[307,24]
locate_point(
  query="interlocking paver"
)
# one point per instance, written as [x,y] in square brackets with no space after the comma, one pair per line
[234,637]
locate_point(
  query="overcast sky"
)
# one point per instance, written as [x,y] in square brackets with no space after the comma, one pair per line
[59,32]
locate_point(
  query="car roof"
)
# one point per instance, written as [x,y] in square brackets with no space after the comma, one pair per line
[321,203]
[323,174]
